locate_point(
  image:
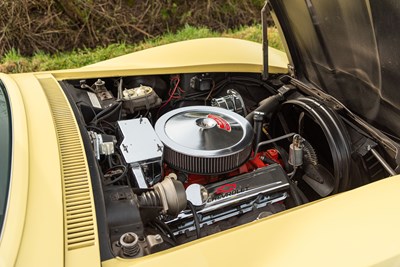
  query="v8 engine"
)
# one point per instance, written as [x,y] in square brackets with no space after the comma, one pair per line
[183,156]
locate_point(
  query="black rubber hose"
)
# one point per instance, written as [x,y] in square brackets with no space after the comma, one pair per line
[258,124]
[106,113]
[267,106]
[195,219]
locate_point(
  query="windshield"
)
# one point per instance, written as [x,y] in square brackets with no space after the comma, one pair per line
[5,148]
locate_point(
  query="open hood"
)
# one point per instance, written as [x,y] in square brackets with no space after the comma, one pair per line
[349,49]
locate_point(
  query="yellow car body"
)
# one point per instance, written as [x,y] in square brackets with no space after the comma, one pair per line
[50,177]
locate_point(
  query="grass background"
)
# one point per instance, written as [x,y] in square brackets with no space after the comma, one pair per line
[54,26]
[14,62]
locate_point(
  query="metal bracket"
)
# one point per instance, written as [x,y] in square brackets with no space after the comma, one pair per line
[140,179]
[264,18]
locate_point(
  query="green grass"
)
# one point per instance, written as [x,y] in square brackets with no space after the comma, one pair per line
[13,62]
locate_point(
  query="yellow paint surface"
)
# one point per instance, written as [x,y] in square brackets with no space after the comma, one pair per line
[200,55]
[357,228]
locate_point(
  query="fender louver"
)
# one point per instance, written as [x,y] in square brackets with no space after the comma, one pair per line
[79,216]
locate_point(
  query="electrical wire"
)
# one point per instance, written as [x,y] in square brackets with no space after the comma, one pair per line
[109,160]
[85,86]
[171,93]
[156,229]
[95,128]
[195,218]
[107,112]
[211,91]
[79,104]
[122,175]
[217,88]
[292,174]
[159,228]
[109,124]
[282,152]
[118,156]
[105,129]
[271,141]
[166,229]
[254,81]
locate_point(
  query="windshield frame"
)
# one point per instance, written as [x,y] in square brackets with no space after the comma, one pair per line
[6,158]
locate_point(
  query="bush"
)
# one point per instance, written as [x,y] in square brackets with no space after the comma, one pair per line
[30,26]
[14,62]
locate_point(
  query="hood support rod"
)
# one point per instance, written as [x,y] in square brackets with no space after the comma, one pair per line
[382,161]
[264,20]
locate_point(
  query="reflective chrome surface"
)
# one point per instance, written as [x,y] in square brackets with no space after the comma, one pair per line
[204,131]
[261,187]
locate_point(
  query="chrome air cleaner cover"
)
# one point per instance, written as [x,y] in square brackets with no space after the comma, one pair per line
[204,140]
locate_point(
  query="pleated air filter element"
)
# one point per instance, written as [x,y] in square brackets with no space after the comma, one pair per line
[204,140]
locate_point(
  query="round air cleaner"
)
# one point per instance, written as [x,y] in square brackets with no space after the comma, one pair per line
[204,140]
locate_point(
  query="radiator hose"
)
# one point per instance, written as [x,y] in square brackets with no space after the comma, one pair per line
[269,104]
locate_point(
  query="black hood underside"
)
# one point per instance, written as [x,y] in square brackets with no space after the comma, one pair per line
[349,49]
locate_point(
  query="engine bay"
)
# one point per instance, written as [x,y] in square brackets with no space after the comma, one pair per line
[183,156]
